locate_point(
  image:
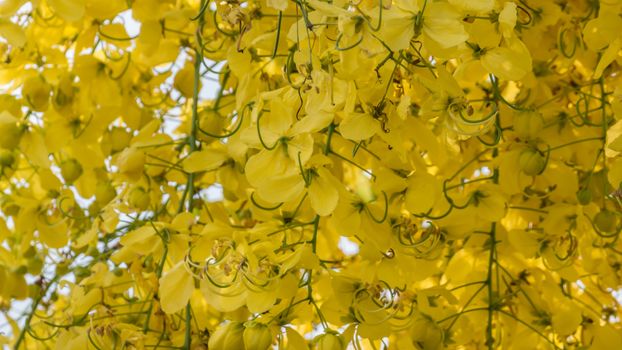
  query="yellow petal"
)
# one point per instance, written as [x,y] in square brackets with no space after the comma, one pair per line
[131,162]
[224,299]
[115,33]
[295,341]
[313,122]
[398,27]
[205,160]
[491,203]
[603,337]
[182,221]
[260,301]
[12,33]
[279,5]
[146,10]
[322,193]
[525,242]
[9,7]
[142,240]
[601,31]
[281,188]
[566,317]
[615,173]
[507,18]
[346,220]
[610,54]
[150,36]
[83,302]
[506,63]
[103,9]
[176,287]
[422,193]
[358,126]
[69,10]
[52,231]
[265,164]
[443,24]
[184,81]
[616,144]
[473,6]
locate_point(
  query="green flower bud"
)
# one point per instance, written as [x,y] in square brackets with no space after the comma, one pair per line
[606,221]
[584,196]
[531,162]
[11,135]
[7,158]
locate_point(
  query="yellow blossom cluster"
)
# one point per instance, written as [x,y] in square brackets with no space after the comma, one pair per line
[310,174]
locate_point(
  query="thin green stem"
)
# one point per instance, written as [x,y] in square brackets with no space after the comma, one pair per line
[491,257]
[35,304]
[577,141]
[192,144]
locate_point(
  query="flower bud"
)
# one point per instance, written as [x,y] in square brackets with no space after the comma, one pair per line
[139,198]
[9,207]
[64,94]
[71,170]
[228,336]
[119,139]
[94,208]
[7,158]
[34,266]
[30,252]
[21,270]
[606,221]
[257,336]
[184,81]
[104,192]
[584,196]
[131,162]
[37,93]
[211,122]
[11,134]
[329,341]
[531,162]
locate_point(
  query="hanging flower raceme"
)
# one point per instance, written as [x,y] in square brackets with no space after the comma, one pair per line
[408,174]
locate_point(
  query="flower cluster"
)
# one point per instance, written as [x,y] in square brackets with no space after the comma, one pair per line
[276,174]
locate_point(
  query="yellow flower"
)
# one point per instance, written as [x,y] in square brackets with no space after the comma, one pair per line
[228,336]
[257,336]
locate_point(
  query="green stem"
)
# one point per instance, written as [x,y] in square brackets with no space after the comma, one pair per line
[468,302]
[603,102]
[490,341]
[577,141]
[530,327]
[198,59]
[316,222]
[491,257]
[462,313]
[528,209]
[35,304]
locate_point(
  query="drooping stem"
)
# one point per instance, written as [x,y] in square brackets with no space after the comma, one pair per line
[198,59]
[35,304]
